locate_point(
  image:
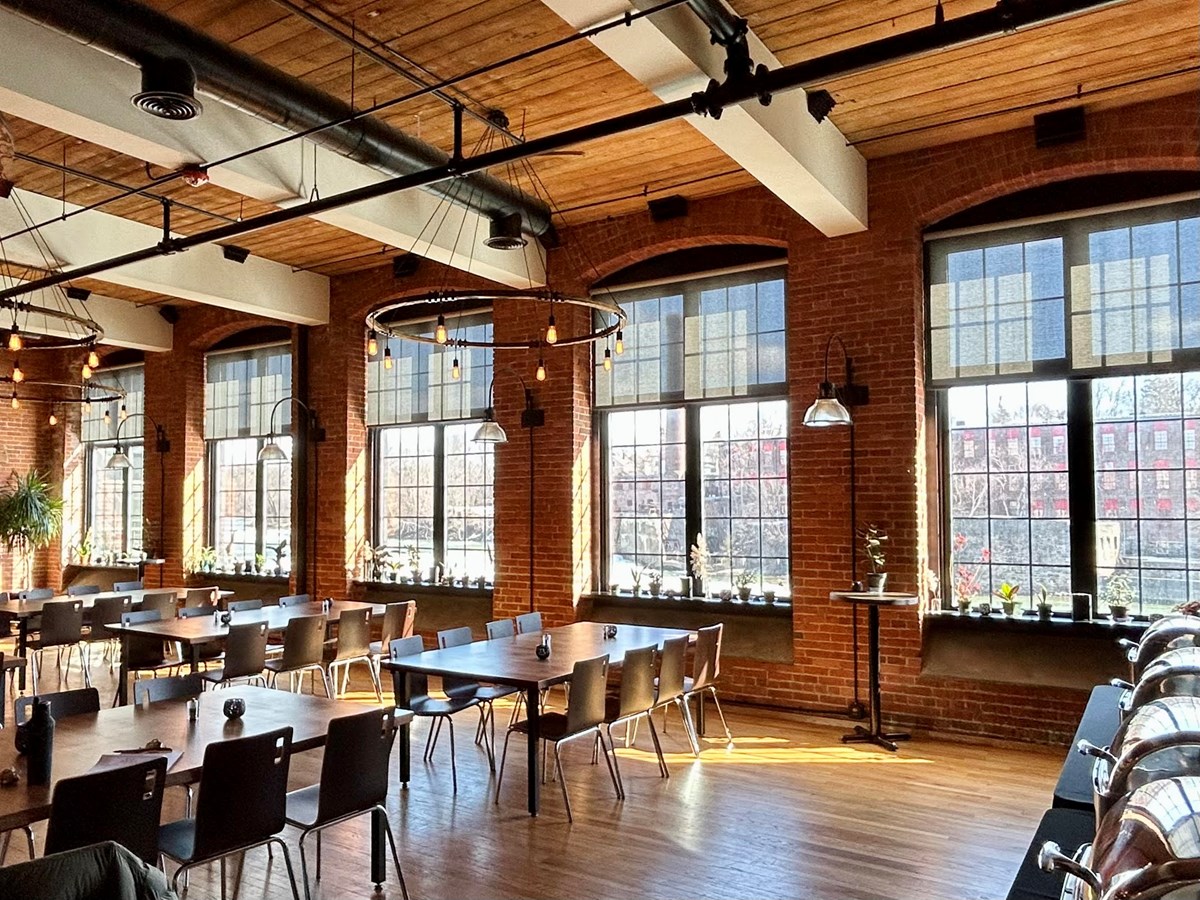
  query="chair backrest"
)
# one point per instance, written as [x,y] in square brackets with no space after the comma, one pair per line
[588,683]
[303,642]
[144,650]
[177,687]
[62,704]
[105,611]
[418,684]
[529,623]
[243,792]
[202,596]
[127,586]
[122,805]
[501,628]
[354,771]
[62,622]
[164,601]
[354,634]
[295,600]
[138,616]
[36,594]
[398,620]
[194,612]
[246,650]
[454,637]
[706,664]
[637,681]
[244,605]
[82,590]
[670,668]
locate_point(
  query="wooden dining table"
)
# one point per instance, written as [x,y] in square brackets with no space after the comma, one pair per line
[196,631]
[513,661]
[80,741]
[23,610]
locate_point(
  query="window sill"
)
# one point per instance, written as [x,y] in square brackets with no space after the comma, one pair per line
[424,589]
[781,608]
[243,578]
[1059,624]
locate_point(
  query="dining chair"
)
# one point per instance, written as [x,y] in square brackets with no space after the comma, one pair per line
[36,594]
[669,686]
[706,667]
[245,605]
[106,611]
[243,795]
[303,651]
[82,590]
[501,628]
[201,596]
[9,664]
[164,601]
[584,716]
[145,653]
[245,656]
[398,621]
[529,623]
[424,706]
[354,782]
[295,600]
[121,586]
[484,693]
[122,805]
[353,645]
[62,627]
[194,612]
[634,702]
[174,687]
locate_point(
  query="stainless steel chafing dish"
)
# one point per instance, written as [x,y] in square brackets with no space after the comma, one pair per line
[1168,633]
[1161,739]
[1146,848]
[1174,673]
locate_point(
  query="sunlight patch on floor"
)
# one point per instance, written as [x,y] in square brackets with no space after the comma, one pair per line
[764,755]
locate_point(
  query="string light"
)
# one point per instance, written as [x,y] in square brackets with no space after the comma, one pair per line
[87,372]
[620,343]
[124,413]
[607,360]
[551,331]
[16,404]
[87,406]
[107,418]
[14,338]
[53,418]
[455,370]
[17,375]
[93,360]
[387,357]
[540,375]
[439,333]
[372,343]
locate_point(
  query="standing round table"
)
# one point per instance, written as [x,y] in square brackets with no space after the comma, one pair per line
[875,734]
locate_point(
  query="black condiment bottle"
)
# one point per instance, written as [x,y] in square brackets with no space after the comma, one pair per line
[39,743]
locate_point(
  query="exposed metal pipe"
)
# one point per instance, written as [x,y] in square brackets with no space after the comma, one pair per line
[726,27]
[138,34]
[1005,17]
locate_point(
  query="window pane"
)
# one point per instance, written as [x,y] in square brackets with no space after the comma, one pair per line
[106,504]
[277,510]
[241,390]
[1146,492]
[1009,493]
[470,540]
[405,499]
[235,492]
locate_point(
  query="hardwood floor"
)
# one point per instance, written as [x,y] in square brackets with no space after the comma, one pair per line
[786,812]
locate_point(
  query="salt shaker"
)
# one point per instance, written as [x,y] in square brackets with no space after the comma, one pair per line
[193,709]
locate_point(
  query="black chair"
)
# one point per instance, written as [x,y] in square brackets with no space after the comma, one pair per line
[164,601]
[634,703]
[62,627]
[670,686]
[122,805]
[295,600]
[244,605]
[62,704]
[243,795]
[119,586]
[175,687]
[202,596]
[424,706]
[706,668]
[353,645]
[398,622]
[145,653]
[105,611]
[245,655]
[303,651]
[194,612]
[354,782]
[82,590]
[8,664]
[36,594]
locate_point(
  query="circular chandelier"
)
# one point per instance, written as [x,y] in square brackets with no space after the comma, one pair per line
[44,390]
[400,318]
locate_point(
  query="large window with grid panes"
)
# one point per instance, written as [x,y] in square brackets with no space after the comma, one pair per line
[249,499]
[431,482]
[113,525]
[693,423]
[1066,362]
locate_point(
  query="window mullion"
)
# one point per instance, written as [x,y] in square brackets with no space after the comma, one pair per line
[1081,486]
[439,496]
[260,503]
[693,481]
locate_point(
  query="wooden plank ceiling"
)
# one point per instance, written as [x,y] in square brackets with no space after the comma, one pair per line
[1130,52]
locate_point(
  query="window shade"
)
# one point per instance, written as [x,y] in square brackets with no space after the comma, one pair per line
[242,387]
[420,388]
[130,379]
[1085,294]
[721,336]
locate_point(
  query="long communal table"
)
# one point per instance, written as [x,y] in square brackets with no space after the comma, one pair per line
[79,742]
[23,610]
[512,661]
[196,631]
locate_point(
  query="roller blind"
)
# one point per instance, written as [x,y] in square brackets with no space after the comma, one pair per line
[130,379]
[242,387]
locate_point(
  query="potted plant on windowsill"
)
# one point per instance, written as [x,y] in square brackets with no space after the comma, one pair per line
[1008,597]
[745,584]
[655,584]
[873,538]
[1118,593]
[1044,607]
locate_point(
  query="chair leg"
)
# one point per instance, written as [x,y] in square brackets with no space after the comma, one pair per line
[324,681]
[375,682]
[28,839]
[222,878]
[453,767]
[662,762]
[689,728]
[287,859]
[717,703]
[614,767]
[435,726]
[318,856]
[387,827]
[562,782]
[304,865]
[503,756]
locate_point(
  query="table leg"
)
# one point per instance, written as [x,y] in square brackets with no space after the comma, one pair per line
[533,714]
[876,735]
[22,648]
[378,854]
[194,653]
[403,691]
[123,672]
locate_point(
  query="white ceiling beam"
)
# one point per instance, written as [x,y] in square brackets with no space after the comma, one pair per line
[257,287]
[125,324]
[807,165]
[86,94]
